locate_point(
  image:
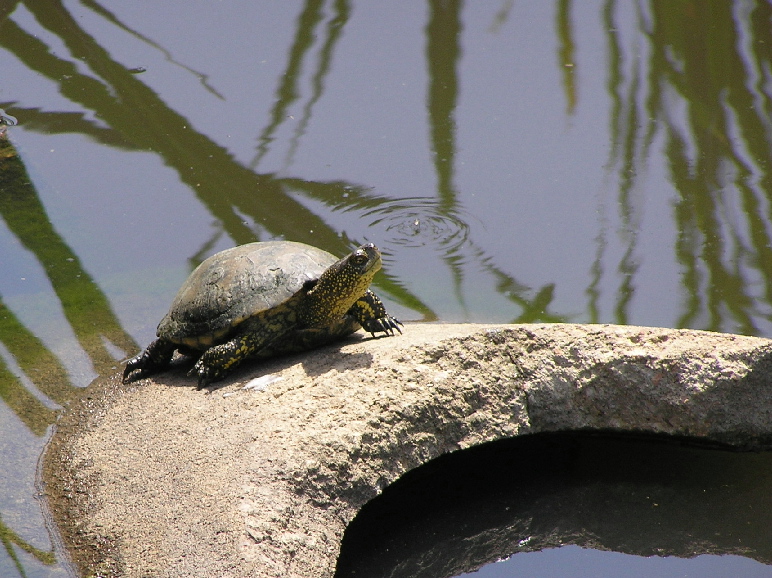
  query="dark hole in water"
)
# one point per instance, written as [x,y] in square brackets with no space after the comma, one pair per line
[641,495]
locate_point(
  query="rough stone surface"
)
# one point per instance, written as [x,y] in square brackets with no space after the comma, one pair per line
[158,479]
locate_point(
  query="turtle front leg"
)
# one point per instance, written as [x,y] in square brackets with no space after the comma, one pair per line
[156,357]
[371,314]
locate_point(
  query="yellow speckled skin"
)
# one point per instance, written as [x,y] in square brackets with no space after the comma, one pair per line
[265,299]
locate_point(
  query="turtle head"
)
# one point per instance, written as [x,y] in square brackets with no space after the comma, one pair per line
[364,261]
[339,287]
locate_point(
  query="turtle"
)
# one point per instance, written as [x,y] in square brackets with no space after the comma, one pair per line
[263,299]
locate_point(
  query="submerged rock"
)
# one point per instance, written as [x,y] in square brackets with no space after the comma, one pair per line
[156,478]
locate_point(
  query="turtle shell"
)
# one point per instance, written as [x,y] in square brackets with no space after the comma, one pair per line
[236,284]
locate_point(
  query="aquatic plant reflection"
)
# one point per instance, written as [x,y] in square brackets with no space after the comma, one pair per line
[695,74]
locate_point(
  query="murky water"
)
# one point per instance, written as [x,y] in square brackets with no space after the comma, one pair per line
[515,161]
[647,506]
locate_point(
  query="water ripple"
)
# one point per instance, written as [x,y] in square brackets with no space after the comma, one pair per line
[416,222]
[7,119]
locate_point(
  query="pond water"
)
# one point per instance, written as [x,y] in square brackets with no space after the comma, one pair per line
[595,161]
[641,506]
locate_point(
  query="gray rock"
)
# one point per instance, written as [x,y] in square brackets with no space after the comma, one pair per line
[155,478]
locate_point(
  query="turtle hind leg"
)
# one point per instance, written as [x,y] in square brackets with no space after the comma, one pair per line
[371,314]
[220,360]
[156,357]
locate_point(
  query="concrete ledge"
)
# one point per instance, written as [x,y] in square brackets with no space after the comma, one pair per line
[158,479]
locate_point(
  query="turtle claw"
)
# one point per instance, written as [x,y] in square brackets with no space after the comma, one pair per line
[152,360]
[204,374]
[369,311]
[136,363]
[386,324]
